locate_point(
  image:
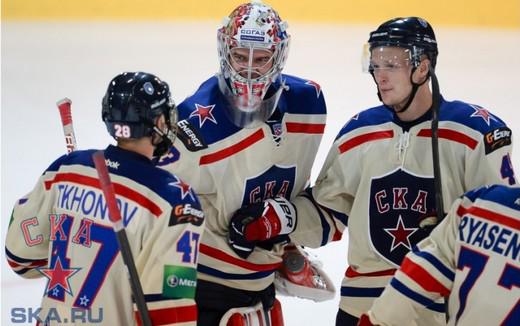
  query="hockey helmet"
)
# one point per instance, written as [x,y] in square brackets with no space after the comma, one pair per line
[133,101]
[412,33]
[252,45]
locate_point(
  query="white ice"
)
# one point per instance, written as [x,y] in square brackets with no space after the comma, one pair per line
[44,62]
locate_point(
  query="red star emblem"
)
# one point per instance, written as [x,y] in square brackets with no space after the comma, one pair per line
[204,113]
[316,86]
[482,113]
[184,187]
[58,276]
[400,235]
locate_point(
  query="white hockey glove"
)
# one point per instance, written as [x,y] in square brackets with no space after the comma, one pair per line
[302,276]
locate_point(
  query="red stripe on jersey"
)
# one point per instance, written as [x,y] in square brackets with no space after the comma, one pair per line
[490,216]
[358,140]
[451,135]
[305,128]
[337,236]
[33,264]
[220,255]
[118,188]
[352,273]
[171,315]
[423,277]
[233,149]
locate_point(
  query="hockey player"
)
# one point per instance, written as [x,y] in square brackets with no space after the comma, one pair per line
[248,134]
[472,256]
[378,176]
[61,229]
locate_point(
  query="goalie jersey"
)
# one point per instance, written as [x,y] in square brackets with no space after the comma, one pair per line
[473,256]
[61,231]
[230,167]
[378,180]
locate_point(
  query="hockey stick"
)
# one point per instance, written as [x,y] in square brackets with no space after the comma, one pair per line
[66,121]
[436,101]
[437,182]
[119,229]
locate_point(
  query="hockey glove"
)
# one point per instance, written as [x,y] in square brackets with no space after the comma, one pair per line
[242,247]
[278,218]
[259,222]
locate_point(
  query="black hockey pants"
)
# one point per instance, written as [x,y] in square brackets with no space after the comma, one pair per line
[214,300]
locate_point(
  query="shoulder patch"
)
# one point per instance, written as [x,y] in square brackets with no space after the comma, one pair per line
[190,137]
[496,139]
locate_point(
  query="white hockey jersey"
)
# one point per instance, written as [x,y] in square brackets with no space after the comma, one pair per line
[230,167]
[61,231]
[473,256]
[378,181]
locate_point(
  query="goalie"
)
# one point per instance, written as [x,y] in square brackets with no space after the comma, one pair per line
[247,134]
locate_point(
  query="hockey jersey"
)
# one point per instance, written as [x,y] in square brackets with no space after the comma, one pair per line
[378,180]
[230,167]
[61,231]
[473,256]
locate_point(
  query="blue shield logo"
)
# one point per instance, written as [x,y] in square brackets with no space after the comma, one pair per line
[397,203]
[276,181]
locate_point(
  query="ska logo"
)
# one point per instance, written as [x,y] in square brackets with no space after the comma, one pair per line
[276,181]
[397,201]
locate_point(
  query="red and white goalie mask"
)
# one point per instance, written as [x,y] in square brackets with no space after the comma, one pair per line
[253,46]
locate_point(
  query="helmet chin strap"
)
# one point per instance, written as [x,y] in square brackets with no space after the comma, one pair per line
[415,88]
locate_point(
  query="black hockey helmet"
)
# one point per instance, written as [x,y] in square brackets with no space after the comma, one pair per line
[412,33]
[132,102]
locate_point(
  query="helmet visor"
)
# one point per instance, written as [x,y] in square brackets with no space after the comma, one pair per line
[385,58]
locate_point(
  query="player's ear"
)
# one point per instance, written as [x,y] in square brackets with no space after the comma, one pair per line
[421,73]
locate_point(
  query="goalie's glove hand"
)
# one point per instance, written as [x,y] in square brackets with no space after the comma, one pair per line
[259,222]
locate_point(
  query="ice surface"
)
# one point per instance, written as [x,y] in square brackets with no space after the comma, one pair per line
[44,62]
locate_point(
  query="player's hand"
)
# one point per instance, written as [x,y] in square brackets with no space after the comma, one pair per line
[259,222]
[236,239]
[278,217]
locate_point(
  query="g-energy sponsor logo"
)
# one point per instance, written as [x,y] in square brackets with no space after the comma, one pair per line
[185,213]
[189,136]
[497,138]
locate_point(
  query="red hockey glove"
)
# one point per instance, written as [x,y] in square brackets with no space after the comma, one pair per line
[259,222]
[278,218]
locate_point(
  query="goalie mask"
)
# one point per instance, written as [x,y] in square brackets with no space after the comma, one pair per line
[252,47]
[132,105]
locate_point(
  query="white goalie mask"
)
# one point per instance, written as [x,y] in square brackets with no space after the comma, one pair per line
[252,47]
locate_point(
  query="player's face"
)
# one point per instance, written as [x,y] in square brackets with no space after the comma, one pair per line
[392,69]
[251,63]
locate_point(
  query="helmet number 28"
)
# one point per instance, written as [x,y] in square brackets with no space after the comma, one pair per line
[122,131]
